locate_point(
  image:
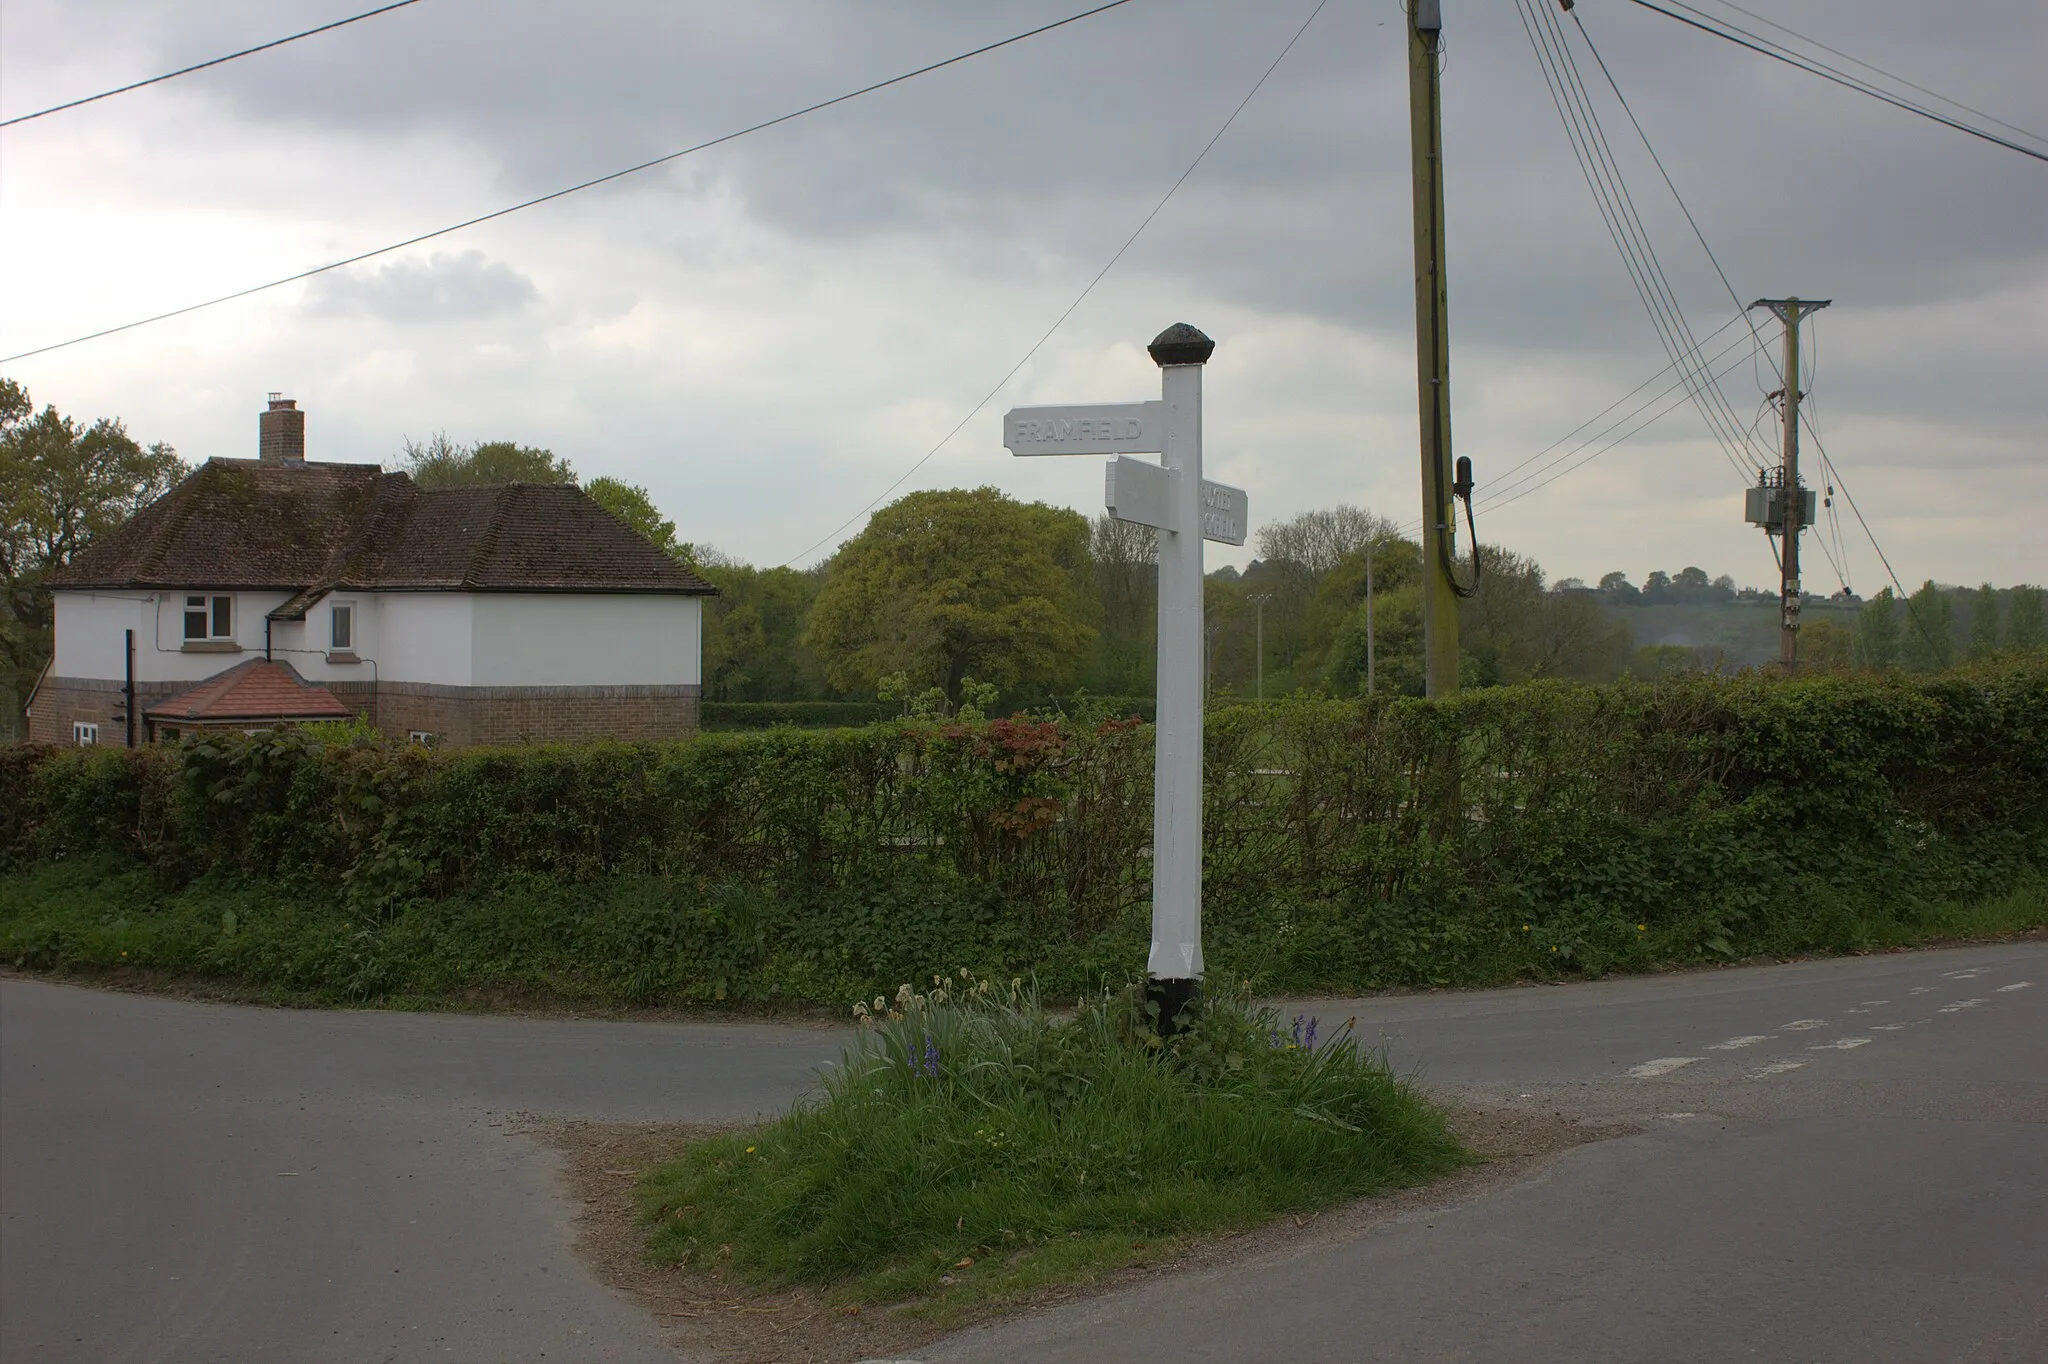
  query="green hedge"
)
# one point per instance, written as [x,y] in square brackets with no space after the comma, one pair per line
[726,716]
[731,715]
[1347,844]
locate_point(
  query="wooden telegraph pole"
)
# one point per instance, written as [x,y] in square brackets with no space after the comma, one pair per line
[1432,349]
[1790,311]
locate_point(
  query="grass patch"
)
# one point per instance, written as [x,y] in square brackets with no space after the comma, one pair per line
[973,1147]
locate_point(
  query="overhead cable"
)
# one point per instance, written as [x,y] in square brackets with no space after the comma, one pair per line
[1079,298]
[1624,226]
[577,188]
[201,66]
[1729,33]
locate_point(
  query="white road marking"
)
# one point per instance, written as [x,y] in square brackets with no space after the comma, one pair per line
[1961,1004]
[1737,1043]
[1803,1025]
[1663,1065]
[1920,990]
[2016,985]
[1867,1005]
[1886,1027]
[1774,1068]
[1964,975]
[1844,1044]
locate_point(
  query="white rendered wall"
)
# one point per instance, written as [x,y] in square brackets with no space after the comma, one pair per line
[418,637]
[573,639]
[90,624]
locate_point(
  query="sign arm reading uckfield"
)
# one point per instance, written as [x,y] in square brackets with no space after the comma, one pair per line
[1173,498]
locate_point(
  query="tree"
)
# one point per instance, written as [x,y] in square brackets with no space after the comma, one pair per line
[61,485]
[2026,632]
[1984,622]
[1929,641]
[1316,541]
[631,504]
[1877,632]
[1825,646]
[440,463]
[1657,588]
[754,648]
[1125,556]
[952,584]
[1618,589]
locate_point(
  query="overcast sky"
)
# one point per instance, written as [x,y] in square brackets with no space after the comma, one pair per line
[769,334]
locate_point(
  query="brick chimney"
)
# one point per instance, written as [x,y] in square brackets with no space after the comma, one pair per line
[282,432]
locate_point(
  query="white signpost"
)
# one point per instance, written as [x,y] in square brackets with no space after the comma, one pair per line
[1173,498]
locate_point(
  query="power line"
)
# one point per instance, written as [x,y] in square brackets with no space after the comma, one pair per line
[1079,298]
[1878,70]
[576,188]
[201,66]
[1602,173]
[1728,33]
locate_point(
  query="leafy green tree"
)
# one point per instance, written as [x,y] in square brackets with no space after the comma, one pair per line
[438,462]
[1984,622]
[61,485]
[1877,632]
[1619,590]
[1657,588]
[754,646]
[950,584]
[1825,646]
[631,504]
[1928,642]
[1654,662]
[1125,558]
[2026,630]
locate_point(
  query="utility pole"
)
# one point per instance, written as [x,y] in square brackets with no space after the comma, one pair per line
[1258,601]
[1790,311]
[1432,347]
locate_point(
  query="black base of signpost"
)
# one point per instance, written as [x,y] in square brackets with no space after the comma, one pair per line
[1173,998]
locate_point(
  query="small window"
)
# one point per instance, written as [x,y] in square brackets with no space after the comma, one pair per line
[209,617]
[83,734]
[344,633]
[425,738]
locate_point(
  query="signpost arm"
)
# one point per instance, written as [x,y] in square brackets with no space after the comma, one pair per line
[1174,968]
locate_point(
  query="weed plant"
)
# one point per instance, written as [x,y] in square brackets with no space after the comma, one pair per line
[972,1145]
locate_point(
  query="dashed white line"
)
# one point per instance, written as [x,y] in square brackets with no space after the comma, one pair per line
[1867,1005]
[2016,985]
[1842,1044]
[1886,1027]
[1803,1025]
[1737,1043]
[1960,1005]
[1974,971]
[1663,1065]
[1921,990]
[1774,1068]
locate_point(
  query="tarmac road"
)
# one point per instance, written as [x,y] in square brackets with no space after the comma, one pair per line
[1841,1160]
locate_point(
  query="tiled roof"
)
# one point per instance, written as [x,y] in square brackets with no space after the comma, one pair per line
[258,689]
[310,528]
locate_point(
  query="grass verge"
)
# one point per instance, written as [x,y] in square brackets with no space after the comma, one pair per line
[973,1148]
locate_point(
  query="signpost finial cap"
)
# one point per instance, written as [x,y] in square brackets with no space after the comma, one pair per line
[1181,344]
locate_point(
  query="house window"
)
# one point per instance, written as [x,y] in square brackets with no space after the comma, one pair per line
[344,631]
[422,737]
[83,734]
[209,617]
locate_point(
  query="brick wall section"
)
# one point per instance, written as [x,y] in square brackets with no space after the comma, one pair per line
[457,716]
[62,700]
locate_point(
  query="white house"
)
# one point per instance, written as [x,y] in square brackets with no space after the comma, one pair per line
[462,615]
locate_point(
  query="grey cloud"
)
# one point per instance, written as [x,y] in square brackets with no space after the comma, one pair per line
[444,288]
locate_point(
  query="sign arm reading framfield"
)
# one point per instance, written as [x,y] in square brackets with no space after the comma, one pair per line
[1173,498]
